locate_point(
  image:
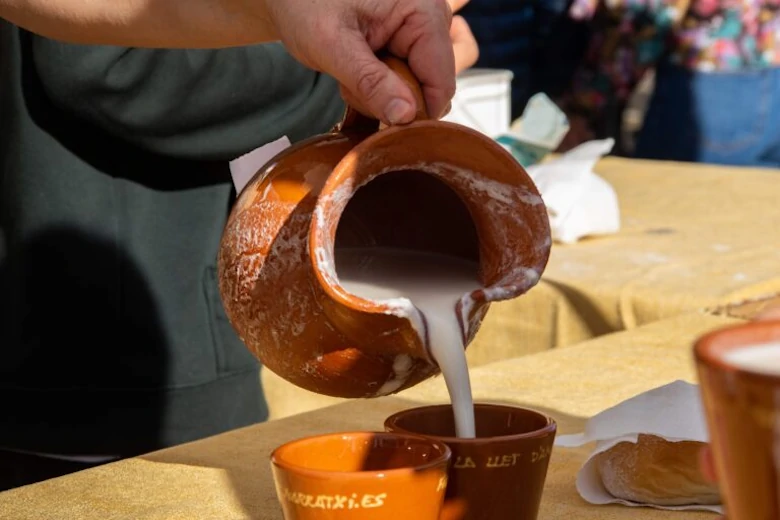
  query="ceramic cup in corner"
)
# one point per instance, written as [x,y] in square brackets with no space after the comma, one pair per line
[739,374]
[382,476]
[498,475]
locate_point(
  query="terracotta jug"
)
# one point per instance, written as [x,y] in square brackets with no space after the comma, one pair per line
[429,185]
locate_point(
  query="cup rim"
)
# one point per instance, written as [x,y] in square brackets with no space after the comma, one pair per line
[704,348]
[443,458]
[550,427]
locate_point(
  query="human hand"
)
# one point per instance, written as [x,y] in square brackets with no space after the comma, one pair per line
[341,38]
[464,46]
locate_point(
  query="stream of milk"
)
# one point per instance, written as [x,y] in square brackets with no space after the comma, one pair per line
[434,284]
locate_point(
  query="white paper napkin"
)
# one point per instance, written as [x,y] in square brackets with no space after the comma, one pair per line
[245,167]
[673,412]
[579,202]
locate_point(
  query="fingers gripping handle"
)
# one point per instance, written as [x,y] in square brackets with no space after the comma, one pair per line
[355,120]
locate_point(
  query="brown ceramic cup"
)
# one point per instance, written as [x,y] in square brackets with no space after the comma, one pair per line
[499,474]
[743,415]
[361,475]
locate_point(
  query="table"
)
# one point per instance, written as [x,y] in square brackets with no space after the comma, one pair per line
[690,240]
[750,309]
[693,237]
[228,476]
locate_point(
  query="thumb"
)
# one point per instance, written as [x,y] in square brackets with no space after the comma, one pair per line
[376,87]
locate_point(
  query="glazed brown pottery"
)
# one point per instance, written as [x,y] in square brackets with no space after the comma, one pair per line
[743,415]
[381,476]
[427,186]
[500,474]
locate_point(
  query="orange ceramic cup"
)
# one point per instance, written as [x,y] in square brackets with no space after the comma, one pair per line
[739,372]
[500,474]
[361,475]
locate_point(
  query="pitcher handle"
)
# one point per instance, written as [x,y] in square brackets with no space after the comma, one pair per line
[355,121]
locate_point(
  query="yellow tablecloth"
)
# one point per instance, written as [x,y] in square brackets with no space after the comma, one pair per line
[693,237]
[228,476]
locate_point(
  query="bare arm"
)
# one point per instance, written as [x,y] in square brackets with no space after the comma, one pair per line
[337,37]
[145,23]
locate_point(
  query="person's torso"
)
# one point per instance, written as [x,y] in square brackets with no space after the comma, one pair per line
[110,307]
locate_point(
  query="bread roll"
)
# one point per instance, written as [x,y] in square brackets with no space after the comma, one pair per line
[656,471]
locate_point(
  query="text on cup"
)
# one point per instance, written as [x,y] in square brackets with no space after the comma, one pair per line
[502,461]
[331,502]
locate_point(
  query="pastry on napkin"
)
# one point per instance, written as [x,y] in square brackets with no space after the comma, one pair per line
[579,202]
[647,452]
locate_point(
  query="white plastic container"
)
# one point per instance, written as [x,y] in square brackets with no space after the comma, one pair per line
[483,101]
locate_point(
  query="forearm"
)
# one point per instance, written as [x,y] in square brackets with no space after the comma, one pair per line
[145,23]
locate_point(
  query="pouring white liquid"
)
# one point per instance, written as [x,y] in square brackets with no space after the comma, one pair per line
[434,284]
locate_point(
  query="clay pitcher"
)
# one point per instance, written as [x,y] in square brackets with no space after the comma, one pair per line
[432,186]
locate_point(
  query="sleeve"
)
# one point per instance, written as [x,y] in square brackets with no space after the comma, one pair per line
[190,104]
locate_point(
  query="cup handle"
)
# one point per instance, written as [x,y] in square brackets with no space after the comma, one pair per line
[355,121]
